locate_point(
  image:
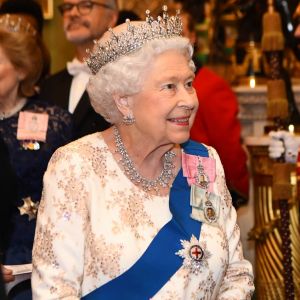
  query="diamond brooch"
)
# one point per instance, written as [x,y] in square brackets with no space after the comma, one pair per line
[194,256]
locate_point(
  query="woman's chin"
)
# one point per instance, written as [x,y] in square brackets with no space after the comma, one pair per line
[182,138]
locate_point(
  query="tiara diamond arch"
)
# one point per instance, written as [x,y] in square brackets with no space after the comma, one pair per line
[136,35]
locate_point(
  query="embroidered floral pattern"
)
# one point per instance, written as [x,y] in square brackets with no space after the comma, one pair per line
[56,157]
[206,286]
[62,287]
[132,211]
[223,239]
[240,251]
[98,160]
[104,257]
[43,248]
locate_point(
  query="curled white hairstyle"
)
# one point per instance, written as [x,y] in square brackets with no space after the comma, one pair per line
[124,77]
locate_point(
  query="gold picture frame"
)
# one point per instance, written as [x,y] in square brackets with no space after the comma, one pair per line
[47,7]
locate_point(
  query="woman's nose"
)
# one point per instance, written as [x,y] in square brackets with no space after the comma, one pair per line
[188,98]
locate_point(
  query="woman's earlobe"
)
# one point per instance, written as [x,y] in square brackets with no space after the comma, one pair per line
[21,75]
[122,104]
[124,101]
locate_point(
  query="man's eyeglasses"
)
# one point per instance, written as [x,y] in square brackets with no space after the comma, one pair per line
[83,7]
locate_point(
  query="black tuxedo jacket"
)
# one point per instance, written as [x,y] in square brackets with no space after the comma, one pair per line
[56,90]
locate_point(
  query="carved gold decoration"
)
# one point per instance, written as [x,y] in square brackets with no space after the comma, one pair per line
[269,258]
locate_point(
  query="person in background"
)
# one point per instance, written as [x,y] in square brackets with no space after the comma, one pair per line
[83,22]
[30,10]
[216,123]
[31,130]
[139,211]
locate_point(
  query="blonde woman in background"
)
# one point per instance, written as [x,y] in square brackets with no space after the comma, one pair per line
[29,147]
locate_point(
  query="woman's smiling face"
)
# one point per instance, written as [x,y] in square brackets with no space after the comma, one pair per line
[165,108]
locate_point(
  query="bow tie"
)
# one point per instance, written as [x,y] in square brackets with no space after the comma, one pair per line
[76,67]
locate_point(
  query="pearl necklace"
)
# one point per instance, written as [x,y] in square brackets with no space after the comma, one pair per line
[163,180]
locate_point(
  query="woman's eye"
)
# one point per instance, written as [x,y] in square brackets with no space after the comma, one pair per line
[169,86]
[189,84]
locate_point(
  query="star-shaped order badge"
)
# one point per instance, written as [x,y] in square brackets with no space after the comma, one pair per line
[29,208]
[194,256]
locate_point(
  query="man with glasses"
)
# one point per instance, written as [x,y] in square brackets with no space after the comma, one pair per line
[83,22]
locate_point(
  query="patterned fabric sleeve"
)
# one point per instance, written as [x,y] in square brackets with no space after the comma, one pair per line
[58,252]
[238,280]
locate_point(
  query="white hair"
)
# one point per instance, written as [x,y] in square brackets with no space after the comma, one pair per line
[124,77]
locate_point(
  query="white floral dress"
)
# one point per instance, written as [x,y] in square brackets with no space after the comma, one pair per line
[94,224]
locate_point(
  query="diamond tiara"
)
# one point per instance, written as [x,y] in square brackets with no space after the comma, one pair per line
[14,23]
[133,38]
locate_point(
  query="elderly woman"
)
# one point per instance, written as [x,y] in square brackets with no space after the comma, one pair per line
[31,130]
[139,211]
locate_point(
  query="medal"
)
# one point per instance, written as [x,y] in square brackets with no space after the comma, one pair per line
[30,145]
[202,179]
[205,206]
[209,212]
[198,170]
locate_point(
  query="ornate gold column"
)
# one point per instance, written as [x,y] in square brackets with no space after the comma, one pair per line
[266,232]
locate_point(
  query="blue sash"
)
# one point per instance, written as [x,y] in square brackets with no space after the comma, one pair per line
[159,262]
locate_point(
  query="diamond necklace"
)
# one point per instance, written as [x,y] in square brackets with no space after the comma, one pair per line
[163,180]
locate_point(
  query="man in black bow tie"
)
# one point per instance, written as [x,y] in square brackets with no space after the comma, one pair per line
[83,22]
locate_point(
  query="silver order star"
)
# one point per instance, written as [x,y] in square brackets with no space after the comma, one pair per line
[194,265]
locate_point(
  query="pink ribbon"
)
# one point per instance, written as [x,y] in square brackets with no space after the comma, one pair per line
[190,165]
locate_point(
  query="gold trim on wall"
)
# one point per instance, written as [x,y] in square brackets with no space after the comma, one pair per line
[47,7]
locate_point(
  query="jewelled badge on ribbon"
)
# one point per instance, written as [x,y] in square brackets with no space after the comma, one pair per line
[205,206]
[198,170]
[201,173]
